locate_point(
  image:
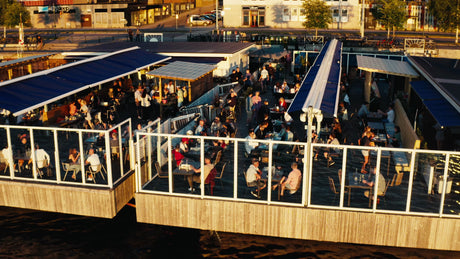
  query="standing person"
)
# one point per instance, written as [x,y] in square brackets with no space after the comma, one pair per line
[249,104]
[130,35]
[180,97]
[264,77]
[366,141]
[256,104]
[247,79]
[271,73]
[137,100]
[42,157]
[239,76]
[138,35]
[145,105]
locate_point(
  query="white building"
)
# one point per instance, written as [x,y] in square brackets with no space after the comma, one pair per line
[286,13]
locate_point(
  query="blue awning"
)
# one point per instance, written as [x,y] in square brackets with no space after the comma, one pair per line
[444,113]
[321,86]
[26,93]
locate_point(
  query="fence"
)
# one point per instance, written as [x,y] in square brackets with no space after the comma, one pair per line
[406,181]
[42,154]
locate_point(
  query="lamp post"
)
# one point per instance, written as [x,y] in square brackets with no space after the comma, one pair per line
[456,21]
[177,17]
[217,15]
[362,18]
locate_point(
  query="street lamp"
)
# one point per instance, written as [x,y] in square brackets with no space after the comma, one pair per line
[217,15]
[177,17]
[362,19]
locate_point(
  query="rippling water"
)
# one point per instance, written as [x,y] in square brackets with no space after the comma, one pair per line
[34,234]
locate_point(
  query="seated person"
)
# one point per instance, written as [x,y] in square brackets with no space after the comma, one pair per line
[93,161]
[261,131]
[363,111]
[208,166]
[285,87]
[395,141]
[282,104]
[230,125]
[177,154]
[250,145]
[370,181]
[214,149]
[216,126]
[74,162]
[291,182]
[333,141]
[201,128]
[183,145]
[24,152]
[390,114]
[232,100]
[269,122]
[254,178]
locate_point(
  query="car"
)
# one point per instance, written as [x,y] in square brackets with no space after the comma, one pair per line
[196,20]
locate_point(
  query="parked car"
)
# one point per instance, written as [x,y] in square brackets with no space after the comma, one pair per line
[196,20]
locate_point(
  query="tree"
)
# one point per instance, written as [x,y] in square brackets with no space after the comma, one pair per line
[317,15]
[14,13]
[447,14]
[391,13]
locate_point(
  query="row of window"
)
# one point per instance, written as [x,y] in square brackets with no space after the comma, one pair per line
[255,16]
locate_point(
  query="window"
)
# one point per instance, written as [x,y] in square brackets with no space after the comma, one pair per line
[286,15]
[294,14]
[246,16]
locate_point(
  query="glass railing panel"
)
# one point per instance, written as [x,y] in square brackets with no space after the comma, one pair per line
[452,193]
[325,184]
[44,157]
[95,157]
[116,153]
[395,171]
[253,157]
[287,173]
[71,154]
[5,154]
[224,165]
[21,151]
[425,198]
[360,165]
[148,158]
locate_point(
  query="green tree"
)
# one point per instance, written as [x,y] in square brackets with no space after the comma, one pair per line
[317,15]
[391,13]
[447,14]
[14,13]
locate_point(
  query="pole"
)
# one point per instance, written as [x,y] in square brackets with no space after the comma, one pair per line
[340,15]
[456,21]
[362,18]
[217,15]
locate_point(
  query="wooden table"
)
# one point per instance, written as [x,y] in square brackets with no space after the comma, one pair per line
[356,183]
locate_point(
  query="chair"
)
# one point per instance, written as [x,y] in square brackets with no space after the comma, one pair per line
[333,189]
[44,168]
[160,172]
[95,172]
[249,185]
[66,167]
[219,177]
[218,157]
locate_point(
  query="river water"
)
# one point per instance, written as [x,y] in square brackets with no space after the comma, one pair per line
[36,234]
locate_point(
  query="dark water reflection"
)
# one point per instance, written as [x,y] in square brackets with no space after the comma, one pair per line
[27,233]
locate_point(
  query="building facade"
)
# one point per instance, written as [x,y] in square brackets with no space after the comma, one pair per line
[287,13]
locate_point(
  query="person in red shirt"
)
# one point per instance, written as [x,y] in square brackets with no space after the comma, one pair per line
[177,154]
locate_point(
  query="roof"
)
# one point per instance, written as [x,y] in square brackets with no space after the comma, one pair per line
[444,113]
[321,86]
[181,70]
[443,74]
[26,93]
[386,66]
[215,49]
[22,60]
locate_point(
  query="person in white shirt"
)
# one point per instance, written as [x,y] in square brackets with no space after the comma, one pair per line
[264,77]
[390,114]
[42,157]
[254,178]
[250,145]
[137,99]
[93,161]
